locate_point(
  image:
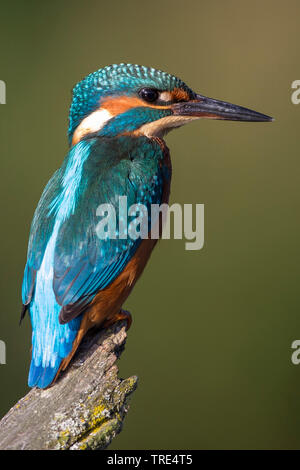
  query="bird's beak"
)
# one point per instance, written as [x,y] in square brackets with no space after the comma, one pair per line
[203,107]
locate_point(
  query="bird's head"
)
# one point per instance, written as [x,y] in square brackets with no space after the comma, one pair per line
[132,99]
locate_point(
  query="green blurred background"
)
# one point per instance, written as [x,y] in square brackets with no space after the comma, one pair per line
[212,331]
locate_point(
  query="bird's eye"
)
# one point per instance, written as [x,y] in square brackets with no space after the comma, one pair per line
[149,94]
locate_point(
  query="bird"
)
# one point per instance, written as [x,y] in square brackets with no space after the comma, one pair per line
[74,280]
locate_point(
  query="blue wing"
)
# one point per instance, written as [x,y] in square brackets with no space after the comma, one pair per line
[85,264]
[67,262]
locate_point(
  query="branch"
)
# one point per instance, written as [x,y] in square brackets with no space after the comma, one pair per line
[84,410]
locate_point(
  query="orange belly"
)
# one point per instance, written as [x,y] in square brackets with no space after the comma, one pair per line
[108,302]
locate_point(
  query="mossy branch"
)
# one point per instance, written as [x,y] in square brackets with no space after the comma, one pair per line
[84,410]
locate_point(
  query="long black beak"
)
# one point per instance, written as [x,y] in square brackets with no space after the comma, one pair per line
[215,109]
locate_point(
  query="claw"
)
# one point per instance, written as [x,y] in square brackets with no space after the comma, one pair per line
[121,315]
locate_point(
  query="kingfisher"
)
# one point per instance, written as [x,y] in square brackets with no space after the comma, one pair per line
[73,279]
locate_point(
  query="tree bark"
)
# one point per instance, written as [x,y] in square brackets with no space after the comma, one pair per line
[83,410]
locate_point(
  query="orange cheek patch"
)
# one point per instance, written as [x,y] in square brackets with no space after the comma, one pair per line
[121,104]
[178,94]
[109,108]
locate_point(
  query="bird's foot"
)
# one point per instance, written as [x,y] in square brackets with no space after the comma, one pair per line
[121,315]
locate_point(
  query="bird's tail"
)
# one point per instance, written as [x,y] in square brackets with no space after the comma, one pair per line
[42,376]
[47,360]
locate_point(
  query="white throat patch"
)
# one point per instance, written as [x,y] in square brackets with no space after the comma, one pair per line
[92,123]
[160,127]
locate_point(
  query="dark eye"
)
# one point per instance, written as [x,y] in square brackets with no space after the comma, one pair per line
[149,94]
